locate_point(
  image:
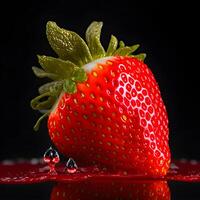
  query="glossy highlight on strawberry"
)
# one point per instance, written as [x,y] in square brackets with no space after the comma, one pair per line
[104,107]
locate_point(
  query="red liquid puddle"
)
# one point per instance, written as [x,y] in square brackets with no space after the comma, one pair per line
[27,172]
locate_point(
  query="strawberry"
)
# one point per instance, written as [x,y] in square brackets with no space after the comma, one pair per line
[111,190]
[103,107]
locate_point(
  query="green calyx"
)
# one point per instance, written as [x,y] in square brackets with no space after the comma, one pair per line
[73,53]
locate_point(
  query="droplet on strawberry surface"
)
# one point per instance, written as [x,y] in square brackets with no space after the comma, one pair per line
[71,166]
[51,157]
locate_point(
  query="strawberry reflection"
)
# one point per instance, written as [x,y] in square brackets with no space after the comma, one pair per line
[111,190]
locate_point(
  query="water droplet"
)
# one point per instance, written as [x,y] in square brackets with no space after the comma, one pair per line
[71,166]
[51,157]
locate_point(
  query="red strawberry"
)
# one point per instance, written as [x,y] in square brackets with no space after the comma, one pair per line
[104,107]
[125,190]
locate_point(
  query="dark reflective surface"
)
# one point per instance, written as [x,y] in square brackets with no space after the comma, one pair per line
[123,190]
[28,192]
[109,190]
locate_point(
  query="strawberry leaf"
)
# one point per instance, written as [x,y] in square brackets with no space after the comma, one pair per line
[67,44]
[121,44]
[42,74]
[47,87]
[134,47]
[140,56]
[93,33]
[37,124]
[43,101]
[63,69]
[125,51]
[112,46]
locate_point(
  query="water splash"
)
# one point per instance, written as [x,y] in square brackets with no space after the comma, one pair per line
[71,166]
[51,157]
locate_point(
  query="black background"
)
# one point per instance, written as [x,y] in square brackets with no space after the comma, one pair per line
[166,31]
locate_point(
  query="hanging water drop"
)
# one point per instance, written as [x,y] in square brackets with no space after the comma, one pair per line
[71,166]
[51,157]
